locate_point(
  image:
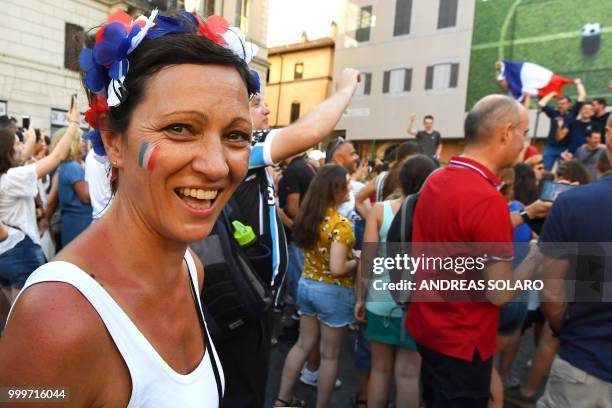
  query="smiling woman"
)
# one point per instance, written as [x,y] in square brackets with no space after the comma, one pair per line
[116,318]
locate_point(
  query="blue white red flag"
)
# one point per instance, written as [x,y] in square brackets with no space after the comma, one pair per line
[530,78]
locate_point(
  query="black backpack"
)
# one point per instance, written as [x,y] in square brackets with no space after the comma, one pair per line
[233,291]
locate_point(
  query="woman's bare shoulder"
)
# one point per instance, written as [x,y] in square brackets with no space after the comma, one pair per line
[53,337]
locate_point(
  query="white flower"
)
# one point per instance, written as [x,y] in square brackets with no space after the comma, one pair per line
[143,32]
[237,43]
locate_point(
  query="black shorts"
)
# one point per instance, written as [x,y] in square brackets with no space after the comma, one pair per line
[533,317]
[449,382]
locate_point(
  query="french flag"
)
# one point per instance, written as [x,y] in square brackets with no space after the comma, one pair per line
[526,77]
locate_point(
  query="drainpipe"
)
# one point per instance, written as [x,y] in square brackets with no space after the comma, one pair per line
[280,88]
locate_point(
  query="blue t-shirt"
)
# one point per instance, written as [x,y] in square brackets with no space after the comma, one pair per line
[578,131]
[70,172]
[576,218]
[553,114]
[522,236]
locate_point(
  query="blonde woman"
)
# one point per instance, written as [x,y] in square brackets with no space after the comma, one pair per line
[70,189]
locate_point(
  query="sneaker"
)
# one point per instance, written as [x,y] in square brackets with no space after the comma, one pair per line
[311,377]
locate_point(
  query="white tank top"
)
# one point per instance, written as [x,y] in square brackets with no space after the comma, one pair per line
[154,382]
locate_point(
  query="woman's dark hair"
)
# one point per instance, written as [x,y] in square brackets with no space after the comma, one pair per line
[603,164]
[7,143]
[414,171]
[525,184]
[403,151]
[172,49]
[574,171]
[325,191]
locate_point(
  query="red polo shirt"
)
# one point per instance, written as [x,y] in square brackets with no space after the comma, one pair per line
[460,203]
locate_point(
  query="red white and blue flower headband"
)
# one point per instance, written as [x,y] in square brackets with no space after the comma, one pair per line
[106,64]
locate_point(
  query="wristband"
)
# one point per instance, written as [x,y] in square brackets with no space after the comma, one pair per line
[524,216]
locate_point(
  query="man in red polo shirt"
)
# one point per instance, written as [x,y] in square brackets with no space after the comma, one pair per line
[461,204]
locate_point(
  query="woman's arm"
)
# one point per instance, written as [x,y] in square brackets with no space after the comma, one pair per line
[370,236]
[29,143]
[338,265]
[81,188]
[46,165]
[366,191]
[52,198]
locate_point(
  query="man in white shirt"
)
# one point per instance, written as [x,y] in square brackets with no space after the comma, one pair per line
[97,175]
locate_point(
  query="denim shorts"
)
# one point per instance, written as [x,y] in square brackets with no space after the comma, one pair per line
[331,304]
[19,262]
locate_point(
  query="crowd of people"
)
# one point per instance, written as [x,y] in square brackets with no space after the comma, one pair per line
[104,237]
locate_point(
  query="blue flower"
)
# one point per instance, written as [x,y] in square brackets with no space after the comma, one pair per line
[95,77]
[95,138]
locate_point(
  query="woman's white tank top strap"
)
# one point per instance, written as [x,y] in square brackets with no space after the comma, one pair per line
[154,382]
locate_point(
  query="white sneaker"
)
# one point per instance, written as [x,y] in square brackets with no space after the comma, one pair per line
[311,377]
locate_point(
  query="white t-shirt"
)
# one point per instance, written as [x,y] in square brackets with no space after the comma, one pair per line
[98,181]
[18,188]
[347,208]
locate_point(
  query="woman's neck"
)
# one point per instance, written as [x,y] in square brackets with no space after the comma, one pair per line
[150,258]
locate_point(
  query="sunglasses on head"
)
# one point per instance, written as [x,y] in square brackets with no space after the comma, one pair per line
[333,146]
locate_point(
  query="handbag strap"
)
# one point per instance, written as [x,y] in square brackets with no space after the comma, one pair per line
[213,360]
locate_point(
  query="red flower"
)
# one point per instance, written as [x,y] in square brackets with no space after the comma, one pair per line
[213,28]
[97,107]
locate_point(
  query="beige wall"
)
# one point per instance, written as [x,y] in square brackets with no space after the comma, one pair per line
[33,79]
[385,116]
[282,89]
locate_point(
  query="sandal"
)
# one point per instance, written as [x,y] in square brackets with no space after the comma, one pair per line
[294,403]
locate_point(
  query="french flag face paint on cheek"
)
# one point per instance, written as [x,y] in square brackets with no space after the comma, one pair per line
[148,156]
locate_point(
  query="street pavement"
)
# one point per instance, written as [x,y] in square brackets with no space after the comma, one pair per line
[347,372]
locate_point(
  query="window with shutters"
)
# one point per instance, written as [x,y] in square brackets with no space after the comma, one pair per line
[403,14]
[74,39]
[442,76]
[364,23]
[298,70]
[397,80]
[364,86]
[447,13]
[295,112]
